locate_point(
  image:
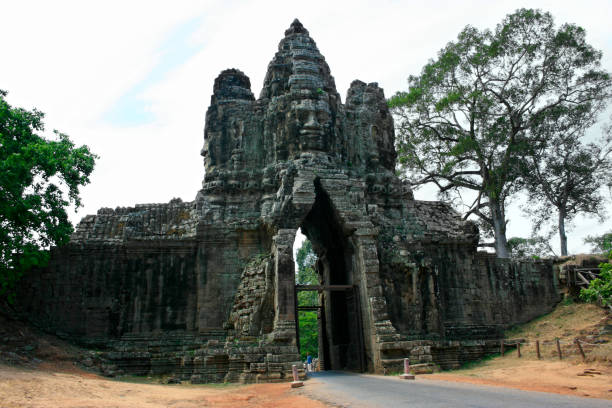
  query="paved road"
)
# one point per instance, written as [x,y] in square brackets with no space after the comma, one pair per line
[356,391]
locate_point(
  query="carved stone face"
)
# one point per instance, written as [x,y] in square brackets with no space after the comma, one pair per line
[297,123]
[204,153]
[312,123]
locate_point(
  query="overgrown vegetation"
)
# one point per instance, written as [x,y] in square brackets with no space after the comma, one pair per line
[39,179]
[600,289]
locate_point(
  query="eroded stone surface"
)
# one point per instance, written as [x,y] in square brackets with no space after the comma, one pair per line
[205,289]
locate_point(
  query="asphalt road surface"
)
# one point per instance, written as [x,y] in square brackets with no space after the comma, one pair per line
[356,391]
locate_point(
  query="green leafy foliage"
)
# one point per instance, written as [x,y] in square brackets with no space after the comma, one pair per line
[306,274]
[599,242]
[309,334]
[308,323]
[39,179]
[600,289]
[567,174]
[470,118]
[534,247]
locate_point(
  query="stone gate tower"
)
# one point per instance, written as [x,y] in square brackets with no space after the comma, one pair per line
[206,289]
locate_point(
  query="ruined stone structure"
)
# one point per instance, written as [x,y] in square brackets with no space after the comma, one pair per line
[206,289]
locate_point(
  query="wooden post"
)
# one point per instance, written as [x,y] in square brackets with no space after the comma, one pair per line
[501,347]
[518,349]
[538,349]
[559,350]
[580,349]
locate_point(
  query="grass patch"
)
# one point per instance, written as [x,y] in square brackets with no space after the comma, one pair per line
[162,380]
[137,379]
[479,363]
[568,319]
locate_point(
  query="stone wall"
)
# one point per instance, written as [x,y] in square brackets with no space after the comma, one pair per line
[452,293]
[96,292]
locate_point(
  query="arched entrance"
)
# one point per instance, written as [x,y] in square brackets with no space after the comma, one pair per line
[341,342]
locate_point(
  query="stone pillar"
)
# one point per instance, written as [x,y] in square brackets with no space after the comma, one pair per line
[296,381]
[407,375]
[321,328]
[378,329]
[284,279]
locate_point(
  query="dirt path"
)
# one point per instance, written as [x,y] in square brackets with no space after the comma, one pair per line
[26,388]
[55,385]
[547,376]
[37,370]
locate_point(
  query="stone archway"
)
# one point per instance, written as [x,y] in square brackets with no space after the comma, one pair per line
[340,329]
[337,350]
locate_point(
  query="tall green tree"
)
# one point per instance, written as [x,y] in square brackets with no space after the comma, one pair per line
[306,273]
[468,120]
[39,180]
[566,174]
[309,334]
[308,322]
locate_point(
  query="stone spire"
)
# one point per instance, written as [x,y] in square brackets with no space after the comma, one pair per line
[298,65]
[232,84]
[295,28]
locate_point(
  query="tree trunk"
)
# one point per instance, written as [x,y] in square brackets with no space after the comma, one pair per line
[562,235]
[499,229]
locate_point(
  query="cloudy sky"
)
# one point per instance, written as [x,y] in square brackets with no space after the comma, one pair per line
[133,79]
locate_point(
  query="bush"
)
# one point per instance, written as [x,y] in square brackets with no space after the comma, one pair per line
[600,289]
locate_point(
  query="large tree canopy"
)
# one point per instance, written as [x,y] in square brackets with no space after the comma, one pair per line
[472,115]
[39,179]
[567,175]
